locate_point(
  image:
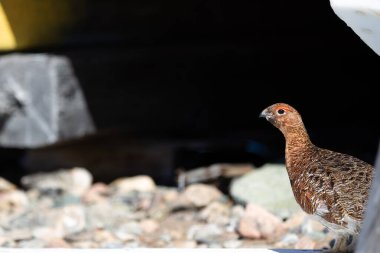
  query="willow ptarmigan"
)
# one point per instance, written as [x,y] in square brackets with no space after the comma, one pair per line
[332,186]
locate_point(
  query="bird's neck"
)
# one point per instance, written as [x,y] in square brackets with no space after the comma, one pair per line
[297,138]
[297,144]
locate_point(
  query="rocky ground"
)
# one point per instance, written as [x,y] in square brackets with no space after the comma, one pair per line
[66,209]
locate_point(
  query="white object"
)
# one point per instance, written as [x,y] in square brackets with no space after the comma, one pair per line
[363,16]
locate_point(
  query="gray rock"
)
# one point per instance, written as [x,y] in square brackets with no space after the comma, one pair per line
[129,228]
[237,213]
[289,239]
[216,212]
[98,215]
[112,245]
[72,219]
[208,234]
[41,101]
[232,244]
[268,187]
[134,244]
[20,234]
[34,243]
[304,224]
[52,222]
[215,245]
[85,245]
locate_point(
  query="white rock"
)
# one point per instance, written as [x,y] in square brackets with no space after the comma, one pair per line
[209,233]
[232,244]
[34,243]
[289,239]
[72,219]
[138,183]
[13,201]
[47,233]
[5,185]
[75,181]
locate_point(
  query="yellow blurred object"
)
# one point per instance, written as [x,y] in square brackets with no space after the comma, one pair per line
[31,23]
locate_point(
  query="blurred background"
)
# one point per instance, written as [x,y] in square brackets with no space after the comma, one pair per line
[135,123]
[167,85]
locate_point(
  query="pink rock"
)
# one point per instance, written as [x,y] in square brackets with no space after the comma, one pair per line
[296,220]
[201,195]
[57,243]
[305,243]
[149,226]
[13,201]
[140,183]
[3,240]
[312,225]
[258,223]
[170,195]
[96,193]
[184,244]
[103,236]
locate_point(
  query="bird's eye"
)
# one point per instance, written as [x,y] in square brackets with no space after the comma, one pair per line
[281,111]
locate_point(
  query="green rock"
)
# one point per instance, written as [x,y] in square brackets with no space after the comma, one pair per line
[268,187]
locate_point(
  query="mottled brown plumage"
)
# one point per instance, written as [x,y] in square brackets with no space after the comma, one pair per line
[332,186]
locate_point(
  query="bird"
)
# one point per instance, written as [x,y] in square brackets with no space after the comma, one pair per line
[331,186]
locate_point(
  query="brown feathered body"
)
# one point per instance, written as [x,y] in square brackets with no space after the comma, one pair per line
[332,186]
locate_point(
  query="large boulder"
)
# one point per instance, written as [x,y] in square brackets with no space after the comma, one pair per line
[268,187]
[41,101]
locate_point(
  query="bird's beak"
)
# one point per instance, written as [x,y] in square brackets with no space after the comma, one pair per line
[264,113]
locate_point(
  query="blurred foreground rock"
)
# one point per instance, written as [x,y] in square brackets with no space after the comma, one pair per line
[65,210]
[41,101]
[257,223]
[75,181]
[268,187]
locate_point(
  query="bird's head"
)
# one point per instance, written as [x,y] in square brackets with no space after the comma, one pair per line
[283,116]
